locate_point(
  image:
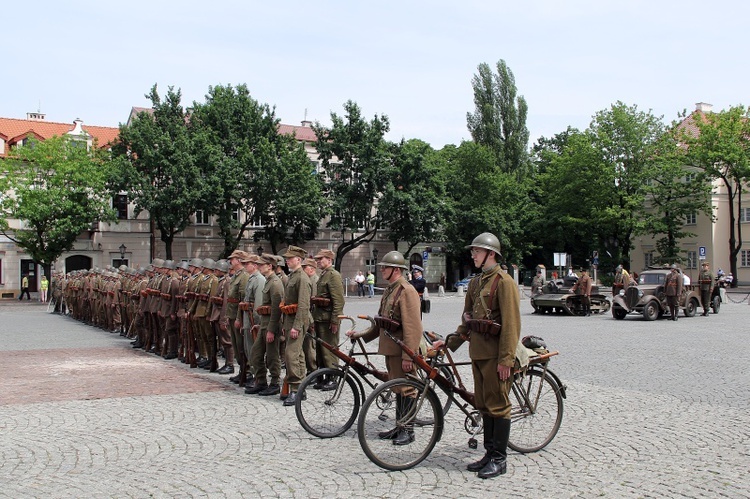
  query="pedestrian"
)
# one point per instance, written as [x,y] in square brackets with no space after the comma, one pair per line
[705,279]
[370,284]
[360,280]
[399,314]
[43,287]
[491,322]
[582,287]
[673,290]
[24,288]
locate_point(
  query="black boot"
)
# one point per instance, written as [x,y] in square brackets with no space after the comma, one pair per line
[497,464]
[489,431]
[406,432]
[392,433]
[320,382]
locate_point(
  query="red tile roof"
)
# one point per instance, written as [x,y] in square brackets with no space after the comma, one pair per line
[15,129]
[304,133]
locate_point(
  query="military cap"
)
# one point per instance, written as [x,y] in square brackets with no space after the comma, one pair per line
[209,263]
[123,268]
[674,266]
[269,259]
[250,258]
[150,268]
[309,262]
[238,254]
[293,251]
[325,253]
[279,260]
[417,268]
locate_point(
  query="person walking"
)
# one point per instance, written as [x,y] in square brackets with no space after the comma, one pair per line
[705,279]
[24,288]
[582,287]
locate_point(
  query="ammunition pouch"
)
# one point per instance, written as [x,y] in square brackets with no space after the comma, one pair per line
[244,306]
[389,325]
[264,310]
[218,300]
[166,296]
[319,301]
[202,297]
[144,293]
[110,293]
[190,295]
[288,309]
[484,326]
[233,300]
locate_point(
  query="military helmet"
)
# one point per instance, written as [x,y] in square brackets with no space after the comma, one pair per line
[209,263]
[169,264]
[394,259]
[486,240]
[196,262]
[223,266]
[184,265]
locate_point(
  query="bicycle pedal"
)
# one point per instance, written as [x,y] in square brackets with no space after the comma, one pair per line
[472,443]
[383,417]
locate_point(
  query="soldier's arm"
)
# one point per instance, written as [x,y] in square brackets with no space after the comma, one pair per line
[508,301]
[336,288]
[303,304]
[411,322]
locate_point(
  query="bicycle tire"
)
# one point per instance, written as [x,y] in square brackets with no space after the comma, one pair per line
[327,414]
[533,430]
[425,420]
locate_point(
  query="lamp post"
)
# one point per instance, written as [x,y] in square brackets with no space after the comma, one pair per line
[122,248]
[259,249]
[375,261]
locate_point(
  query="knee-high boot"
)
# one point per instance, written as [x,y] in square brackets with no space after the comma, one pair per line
[391,434]
[406,432]
[497,464]
[489,431]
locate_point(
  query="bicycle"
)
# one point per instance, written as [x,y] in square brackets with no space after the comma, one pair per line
[328,414]
[536,393]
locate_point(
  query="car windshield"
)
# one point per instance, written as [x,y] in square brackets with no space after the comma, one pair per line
[651,278]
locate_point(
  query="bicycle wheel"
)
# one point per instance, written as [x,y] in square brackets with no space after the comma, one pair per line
[386,409]
[327,414]
[537,411]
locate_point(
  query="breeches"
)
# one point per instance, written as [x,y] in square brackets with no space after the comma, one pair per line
[490,393]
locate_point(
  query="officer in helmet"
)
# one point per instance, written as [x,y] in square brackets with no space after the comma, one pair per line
[399,314]
[491,321]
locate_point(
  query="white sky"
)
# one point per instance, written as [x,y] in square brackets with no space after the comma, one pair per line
[410,60]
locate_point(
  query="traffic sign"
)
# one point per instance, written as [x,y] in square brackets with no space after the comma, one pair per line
[701,252]
[425,255]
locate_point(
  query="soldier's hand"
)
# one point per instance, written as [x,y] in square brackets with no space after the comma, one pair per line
[237,324]
[335,328]
[173,317]
[350,333]
[438,344]
[223,326]
[293,334]
[407,365]
[269,337]
[467,316]
[503,372]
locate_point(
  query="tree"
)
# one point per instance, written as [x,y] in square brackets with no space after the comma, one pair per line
[673,194]
[499,118]
[357,163]
[253,170]
[719,146]
[56,189]
[414,205]
[157,165]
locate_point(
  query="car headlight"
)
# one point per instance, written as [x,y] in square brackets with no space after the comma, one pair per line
[622,292]
[640,293]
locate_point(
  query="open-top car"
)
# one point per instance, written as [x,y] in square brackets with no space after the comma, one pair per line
[648,298]
[557,296]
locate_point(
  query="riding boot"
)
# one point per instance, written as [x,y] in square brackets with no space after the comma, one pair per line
[489,431]
[392,433]
[406,432]
[497,464]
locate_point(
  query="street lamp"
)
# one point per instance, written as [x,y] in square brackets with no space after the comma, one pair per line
[123,248]
[375,261]
[259,249]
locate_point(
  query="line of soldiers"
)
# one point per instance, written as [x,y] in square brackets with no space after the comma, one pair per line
[245,306]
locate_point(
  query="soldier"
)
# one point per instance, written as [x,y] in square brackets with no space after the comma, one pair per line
[170,291]
[183,271]
[235,293]
[308,343]
[582,287]
[704,280]
[218,316]
[622,280]
[537,283]
[265,352]
[673,290]
[252,295]
[491,321]
[417,280]
[191,294]
[328,304]
[296,310]
[399,314]
[206,288]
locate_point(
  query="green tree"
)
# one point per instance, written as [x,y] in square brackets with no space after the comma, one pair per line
[719,145]
[157,165]
[499,119]
[414,205]
[357,164]
[56,189]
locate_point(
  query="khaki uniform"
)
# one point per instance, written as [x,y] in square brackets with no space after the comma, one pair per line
[705,279]
[298,291]
[329,287]
[270,324]
[235,291]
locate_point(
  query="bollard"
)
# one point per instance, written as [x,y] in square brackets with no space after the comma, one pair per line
[441,291]
[426,294]
[460,291]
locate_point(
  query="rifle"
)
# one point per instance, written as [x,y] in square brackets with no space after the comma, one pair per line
[190,353]
[215,350]
[242,358]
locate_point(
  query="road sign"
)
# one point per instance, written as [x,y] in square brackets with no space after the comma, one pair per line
[425,255]
[702,252]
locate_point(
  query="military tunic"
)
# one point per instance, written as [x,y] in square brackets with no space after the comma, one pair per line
[331,287]
[272,295]
[298,291]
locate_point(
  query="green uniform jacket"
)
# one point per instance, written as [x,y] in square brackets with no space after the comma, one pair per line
[273,294]
[208,285]
[505,310]
[236,290]
[705,279]
[298,290]
[406,310]
[253,294]
[329,286]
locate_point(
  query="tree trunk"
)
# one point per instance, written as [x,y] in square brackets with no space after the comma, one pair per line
[349,245]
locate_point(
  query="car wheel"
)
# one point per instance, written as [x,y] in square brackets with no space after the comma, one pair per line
[651,310]
[716,304]
[619,313]
[691,307]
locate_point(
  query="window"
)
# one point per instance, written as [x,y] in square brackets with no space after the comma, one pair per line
[116,262]
[745,215]
[120,203]
[691,219]
[236,215]
[689,177]
[201,218]
[258,221]
[745,258]
[1,271]
[648,259]
[692,260]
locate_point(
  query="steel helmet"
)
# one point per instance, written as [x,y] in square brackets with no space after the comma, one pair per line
[394,259]
[209,263]
[486,240]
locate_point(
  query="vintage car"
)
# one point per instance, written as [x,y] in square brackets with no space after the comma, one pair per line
[648,299]
[557,297]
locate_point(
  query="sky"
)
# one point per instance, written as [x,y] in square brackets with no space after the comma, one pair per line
[410,60]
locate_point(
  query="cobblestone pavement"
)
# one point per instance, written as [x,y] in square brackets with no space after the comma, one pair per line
[653,409]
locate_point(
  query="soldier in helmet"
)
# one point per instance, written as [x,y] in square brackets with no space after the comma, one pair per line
[400,303]
[491,321]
